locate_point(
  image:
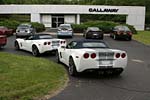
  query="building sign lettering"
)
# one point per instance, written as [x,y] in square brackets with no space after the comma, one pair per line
[102,10]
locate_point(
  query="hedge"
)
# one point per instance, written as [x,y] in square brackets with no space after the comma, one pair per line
[10,24]
[38,26]
[13,24]
[106,26]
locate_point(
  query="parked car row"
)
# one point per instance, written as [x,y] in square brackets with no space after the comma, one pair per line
[78,55]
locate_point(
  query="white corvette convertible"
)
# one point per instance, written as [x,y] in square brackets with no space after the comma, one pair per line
[39,43]
[83,55]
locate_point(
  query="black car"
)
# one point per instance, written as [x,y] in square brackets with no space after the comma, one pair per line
[121,32]
[25,30]
[94,33]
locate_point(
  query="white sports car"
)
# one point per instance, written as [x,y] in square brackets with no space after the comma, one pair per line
[83,55]
[39,43]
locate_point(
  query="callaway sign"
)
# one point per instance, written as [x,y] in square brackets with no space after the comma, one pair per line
[102,10]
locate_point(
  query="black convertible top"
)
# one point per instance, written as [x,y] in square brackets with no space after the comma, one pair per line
[87,43]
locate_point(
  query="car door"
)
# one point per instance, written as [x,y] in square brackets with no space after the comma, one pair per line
[28,43]
[66,53]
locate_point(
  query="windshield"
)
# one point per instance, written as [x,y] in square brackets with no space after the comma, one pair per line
[3,27]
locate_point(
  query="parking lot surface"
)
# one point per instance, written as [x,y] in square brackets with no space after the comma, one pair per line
[133,84]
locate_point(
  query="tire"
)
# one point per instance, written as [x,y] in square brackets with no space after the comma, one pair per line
[130,38]
[72,68]
[57,55]
[35,51]
[17,47]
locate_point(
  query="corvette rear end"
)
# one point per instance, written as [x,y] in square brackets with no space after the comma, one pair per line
[51,45]
[108,59]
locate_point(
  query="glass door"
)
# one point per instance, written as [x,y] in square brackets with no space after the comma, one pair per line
[57,20]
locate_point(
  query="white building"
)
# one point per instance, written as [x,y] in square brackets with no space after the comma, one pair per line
[53,15]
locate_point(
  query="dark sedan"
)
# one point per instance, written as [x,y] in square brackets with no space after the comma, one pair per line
[5,31]
[121,32]
[93,32]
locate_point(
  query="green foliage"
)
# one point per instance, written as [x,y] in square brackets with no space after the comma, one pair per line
[38,26]
[106,26]
[9,23]
[13,24]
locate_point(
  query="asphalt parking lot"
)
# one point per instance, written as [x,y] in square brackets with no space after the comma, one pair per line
[133,84]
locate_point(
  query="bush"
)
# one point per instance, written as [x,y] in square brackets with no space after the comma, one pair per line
[13,24]
[38,26]
[105,26]
[10,24]
[78,28]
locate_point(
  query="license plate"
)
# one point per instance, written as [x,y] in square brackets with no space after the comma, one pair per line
[55,47]
[106,62]
[55,44]
[95,34]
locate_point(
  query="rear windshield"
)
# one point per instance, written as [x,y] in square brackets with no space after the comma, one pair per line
[23,26]
[45,37]
[123,28]
[78,45]
[94,45]
[94,29]
[65,26]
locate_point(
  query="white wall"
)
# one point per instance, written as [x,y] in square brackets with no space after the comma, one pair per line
[46,20]
[69,19]
[136,14]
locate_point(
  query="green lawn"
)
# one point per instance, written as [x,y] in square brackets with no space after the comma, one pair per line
[143,36]
[26,78]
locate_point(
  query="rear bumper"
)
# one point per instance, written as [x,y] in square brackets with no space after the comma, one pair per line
[96,65]
[124,36]
[94,36]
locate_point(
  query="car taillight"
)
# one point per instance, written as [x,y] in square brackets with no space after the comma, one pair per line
[93,55]
[86,55]
[49,43]
[117,55]
[45,43]
[129,33]
[123,55]
[62,42]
